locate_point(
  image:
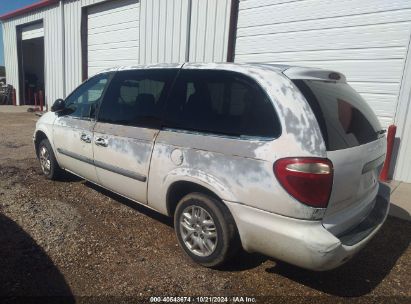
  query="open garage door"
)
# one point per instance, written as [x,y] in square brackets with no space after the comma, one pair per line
[31,63]
[112,35]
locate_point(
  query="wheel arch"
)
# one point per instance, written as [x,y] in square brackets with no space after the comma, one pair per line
[178,189]
[38,137]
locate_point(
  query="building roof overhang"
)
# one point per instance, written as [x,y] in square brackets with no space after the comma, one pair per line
[27,9]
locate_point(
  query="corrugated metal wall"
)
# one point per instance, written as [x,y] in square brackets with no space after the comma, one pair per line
[403,164]
[165,25]
[366,40]
[52,48]
[402,146]
[72,26]
[209,30]
[163,30]
[113,31]
[72,41]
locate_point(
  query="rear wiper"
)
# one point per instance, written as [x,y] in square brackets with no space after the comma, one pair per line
[380,133]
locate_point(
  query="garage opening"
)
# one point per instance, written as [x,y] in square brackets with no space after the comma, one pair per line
[31,64]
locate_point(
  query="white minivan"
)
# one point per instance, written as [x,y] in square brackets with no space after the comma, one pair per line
[278,160]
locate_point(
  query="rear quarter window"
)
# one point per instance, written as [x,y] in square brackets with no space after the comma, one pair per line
[221,102]
[344,117]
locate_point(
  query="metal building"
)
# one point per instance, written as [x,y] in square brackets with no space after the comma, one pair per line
[366,40]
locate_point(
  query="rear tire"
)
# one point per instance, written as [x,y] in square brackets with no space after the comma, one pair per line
[48,162]
[206,230]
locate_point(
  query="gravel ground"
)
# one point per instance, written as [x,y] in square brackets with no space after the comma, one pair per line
[72,238]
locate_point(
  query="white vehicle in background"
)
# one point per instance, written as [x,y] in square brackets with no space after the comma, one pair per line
[278,160]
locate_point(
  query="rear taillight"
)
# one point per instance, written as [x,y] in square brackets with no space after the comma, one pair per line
[309,180]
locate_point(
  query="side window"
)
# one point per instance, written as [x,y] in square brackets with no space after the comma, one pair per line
[136,97]
[221,102]
[83,101]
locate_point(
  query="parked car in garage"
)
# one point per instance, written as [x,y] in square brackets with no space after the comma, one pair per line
[278,160]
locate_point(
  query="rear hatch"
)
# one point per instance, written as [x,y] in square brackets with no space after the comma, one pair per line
[355,144]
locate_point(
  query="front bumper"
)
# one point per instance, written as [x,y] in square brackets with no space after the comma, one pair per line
[302,242]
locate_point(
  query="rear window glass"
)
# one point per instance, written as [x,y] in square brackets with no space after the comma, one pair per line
[344,117]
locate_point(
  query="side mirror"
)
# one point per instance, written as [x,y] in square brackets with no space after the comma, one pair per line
[58,105]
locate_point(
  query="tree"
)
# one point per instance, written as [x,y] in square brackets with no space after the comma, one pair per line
[2,71]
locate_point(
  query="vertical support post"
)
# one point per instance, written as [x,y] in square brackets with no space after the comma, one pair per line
[30,94]
[35,101]
[63,35]
[84,43]
[41,100]
[13,93]
[187,55]
[232,31]
[390,145]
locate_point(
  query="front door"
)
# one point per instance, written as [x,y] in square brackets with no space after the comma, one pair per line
[73,129]
[128,123]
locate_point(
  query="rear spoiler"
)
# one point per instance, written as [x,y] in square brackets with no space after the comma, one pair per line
[313,74]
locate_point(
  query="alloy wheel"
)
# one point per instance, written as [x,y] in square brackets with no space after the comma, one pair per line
[45,162]
[198,231]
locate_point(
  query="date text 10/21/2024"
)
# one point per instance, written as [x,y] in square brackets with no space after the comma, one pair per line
[203,299]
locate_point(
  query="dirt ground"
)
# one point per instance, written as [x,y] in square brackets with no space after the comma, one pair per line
[72,238]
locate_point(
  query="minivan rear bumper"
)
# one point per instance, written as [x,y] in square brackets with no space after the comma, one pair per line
[301,242]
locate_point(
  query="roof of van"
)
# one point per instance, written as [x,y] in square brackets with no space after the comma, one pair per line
[292,72]
[226,65]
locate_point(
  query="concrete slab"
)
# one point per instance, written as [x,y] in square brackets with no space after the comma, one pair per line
[393,185]
[14,109]
[401,201]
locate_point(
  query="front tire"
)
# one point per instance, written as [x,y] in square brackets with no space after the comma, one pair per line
[205,230]
[48,162]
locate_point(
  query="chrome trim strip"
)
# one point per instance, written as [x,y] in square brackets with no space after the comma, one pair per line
[120,171]
[76,156]
[104,166]
[204,133]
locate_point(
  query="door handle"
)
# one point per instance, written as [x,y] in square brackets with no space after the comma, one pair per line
[100,141]
[85,137]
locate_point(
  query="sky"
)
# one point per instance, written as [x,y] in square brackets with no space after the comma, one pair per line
[5,7]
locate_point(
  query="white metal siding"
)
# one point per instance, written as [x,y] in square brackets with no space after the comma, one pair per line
[163,30]
[72,35]
[51,17]
[32,31]
[113,35]
[402,146]
[209,30]
[184,30]
[163,37]
[403,164]
[365,40]
[72,41]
